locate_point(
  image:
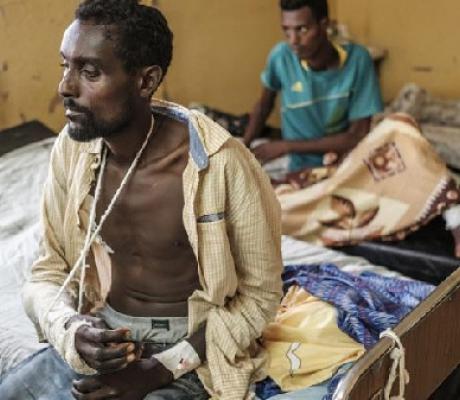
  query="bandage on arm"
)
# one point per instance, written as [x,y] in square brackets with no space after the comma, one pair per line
[179,359]
[37,298]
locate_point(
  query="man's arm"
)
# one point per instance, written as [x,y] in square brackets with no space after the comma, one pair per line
[260,114]
[251,231]
[56,319]
[339,143]
[51,269]
[198,342]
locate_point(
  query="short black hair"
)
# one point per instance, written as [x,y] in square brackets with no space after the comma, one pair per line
[143,35]
[319,8]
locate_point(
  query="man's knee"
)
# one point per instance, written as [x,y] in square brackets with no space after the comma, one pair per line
[42,375]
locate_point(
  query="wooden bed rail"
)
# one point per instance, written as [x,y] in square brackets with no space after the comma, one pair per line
[431,336]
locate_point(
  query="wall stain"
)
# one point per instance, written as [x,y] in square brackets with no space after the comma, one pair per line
[5,66]
[4,96]
[422,68]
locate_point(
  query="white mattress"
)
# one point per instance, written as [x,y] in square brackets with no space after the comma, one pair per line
[21,182]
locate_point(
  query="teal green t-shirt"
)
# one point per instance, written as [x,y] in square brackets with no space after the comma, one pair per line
[315,104]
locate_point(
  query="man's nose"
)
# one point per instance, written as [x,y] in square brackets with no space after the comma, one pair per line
[293,38]
[68,87]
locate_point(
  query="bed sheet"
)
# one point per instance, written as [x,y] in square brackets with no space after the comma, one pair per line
[21,181]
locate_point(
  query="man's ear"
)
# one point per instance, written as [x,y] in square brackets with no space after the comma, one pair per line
[324,23]
[149,80]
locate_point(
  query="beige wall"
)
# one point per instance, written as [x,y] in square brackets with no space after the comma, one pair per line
[30,34]
[221,47]
[421,37]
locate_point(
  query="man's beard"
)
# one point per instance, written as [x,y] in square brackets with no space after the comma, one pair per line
[90,128]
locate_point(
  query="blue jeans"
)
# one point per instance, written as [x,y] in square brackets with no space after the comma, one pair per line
[46,376]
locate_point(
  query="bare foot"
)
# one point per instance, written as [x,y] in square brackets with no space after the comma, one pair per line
[456,235]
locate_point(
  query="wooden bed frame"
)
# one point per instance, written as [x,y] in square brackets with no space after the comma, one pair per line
[430,335]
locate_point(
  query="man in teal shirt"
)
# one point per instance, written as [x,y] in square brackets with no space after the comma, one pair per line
[328,92]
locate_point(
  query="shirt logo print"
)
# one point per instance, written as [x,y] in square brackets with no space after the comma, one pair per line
[297,87]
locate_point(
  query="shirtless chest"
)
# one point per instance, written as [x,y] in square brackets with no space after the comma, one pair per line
[154,270]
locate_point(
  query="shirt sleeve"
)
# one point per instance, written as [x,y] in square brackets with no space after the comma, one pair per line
[270,76]
[366,99]
[254,235]
[51,270]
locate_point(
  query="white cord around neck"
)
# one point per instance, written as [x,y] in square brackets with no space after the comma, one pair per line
[93,229]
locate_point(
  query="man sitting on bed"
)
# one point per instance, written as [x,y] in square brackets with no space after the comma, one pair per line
[160,259]
[328,92]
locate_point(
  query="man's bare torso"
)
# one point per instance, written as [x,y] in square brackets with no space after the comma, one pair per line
[154,270]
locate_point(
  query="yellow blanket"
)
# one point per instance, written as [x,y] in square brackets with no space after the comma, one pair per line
[304,344]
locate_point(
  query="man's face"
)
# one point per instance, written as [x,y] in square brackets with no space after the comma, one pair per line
[99,95]
[304,34]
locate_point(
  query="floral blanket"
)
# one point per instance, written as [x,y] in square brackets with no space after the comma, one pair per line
[389,185]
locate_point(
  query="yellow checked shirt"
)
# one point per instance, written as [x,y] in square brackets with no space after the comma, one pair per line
[239,257]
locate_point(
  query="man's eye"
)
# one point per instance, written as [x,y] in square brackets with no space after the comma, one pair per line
[303,29]
[91,74]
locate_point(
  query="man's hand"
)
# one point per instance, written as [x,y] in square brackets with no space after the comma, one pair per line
[91,388]
[271,150]
[132,383]
[103,349]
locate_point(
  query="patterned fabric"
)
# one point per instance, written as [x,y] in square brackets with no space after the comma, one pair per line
[388,186]
[239,256]
[368,304]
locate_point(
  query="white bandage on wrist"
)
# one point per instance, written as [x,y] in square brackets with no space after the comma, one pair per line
[452,217]
[69,352]
[179,359]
